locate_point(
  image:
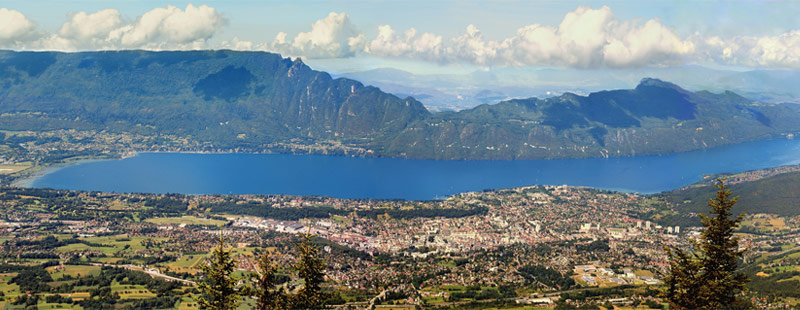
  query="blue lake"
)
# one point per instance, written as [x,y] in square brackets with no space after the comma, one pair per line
[348,177]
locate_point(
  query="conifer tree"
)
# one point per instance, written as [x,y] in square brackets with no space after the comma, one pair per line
[218,288]
[707,277]
[264,281]
[312,270]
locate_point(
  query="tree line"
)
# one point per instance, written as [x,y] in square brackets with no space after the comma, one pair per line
[220,289]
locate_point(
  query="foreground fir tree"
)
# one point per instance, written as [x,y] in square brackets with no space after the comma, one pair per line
[311,269]
[218,288]
[265,280]
[706,277]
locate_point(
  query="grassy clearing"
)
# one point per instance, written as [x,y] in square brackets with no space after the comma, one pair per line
[75,271]
[783,268]
[9,169]
[188,220]
[74,247]
[79,295]
[187,303]
[778,223]
[110,244]
[643,273]
[108,260]
[187,263]
[342,220]
[132,291]
[766,224]
[45,306]
[795,278]
[9,290]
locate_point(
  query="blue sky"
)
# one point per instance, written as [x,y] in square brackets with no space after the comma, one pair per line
[250,19]
[452,34]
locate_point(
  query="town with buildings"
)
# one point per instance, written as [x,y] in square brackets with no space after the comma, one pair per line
[543,245]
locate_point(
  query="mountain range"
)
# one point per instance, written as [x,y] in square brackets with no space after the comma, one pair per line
[251,100]
[449,90]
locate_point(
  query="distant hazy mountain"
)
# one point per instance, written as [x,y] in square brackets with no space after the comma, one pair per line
[460,91]
[247,100]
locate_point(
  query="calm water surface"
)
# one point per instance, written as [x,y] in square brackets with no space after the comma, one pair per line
[348,177]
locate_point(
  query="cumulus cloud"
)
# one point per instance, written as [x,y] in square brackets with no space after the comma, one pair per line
[171,25]
[14,27]
[652,43]
[237,44]
[160,28]
[330,37]
[776,51]
[89,30]
[409,44]
[471,47]
[585,38]
[779,51]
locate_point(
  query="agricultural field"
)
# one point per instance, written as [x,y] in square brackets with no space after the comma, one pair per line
[186,263]
[132,291]
[72,271]
[765,223]
[9,169]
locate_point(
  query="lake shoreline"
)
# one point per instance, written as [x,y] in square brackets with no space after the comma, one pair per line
[29,176]
[409,179]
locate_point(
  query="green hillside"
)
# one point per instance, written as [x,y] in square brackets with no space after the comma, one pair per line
[779,194]
[252,101]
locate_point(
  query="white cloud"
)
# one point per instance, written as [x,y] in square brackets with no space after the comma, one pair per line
[585,38]
[650,44]
[157,29]
[89,30]
[410,44]
[14,27]
[780,51]
[330,37]
[237,44]
[171,25]
[776,51]
[471,47]
[583,33]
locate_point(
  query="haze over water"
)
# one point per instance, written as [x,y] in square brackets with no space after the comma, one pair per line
[349,177]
